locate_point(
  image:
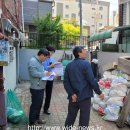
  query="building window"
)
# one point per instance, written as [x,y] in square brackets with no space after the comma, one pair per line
[66,16]
[93,17]
[93,8]
[124,13]
[100,24]
[73,16]
[67,6]
[100,8]
[93,25]
[101,16]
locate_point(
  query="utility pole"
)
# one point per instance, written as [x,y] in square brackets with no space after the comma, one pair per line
[81,37]
[96,16]
[22,17]
[38,9]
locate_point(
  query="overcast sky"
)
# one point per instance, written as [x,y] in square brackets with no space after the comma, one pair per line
[113,4]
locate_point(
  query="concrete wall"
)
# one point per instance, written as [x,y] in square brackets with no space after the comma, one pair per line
[107,58]
[103,57]
[26,54]
[9,73]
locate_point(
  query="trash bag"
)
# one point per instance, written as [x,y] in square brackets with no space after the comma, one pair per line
[100,110]
[95,106]
[14,116]
[15,113]
[66,62]
[119,80]
[115,100]
[117,93]
[111,112]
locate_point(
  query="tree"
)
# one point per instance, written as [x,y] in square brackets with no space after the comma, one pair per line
[70,27]
[49,30]
[71,31]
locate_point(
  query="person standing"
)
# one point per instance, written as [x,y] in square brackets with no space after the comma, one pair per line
[79,83]
[36,73]
[48,65]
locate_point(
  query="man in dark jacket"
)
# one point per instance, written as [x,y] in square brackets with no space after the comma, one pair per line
[79,83]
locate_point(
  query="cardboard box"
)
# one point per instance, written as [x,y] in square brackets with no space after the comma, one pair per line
[110,66]
[124,64]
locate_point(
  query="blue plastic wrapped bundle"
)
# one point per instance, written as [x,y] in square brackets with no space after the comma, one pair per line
[14,116]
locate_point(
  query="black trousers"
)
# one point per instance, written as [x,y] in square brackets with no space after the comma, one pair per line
[73,108]
[94,68]
[35,108]
[49,86]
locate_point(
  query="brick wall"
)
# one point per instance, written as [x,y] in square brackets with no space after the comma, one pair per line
[11,9]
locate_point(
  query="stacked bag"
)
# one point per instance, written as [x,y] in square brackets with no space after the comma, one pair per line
[114,87]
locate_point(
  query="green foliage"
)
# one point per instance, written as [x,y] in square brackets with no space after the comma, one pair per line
[49,30]
[71,31]
[70,28]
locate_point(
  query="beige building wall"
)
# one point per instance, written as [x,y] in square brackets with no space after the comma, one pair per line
[114,20]
[93,15]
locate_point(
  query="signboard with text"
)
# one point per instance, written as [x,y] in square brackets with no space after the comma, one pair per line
[4,52]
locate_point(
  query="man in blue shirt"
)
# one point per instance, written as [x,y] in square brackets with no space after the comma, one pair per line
[79,84]
[48,66]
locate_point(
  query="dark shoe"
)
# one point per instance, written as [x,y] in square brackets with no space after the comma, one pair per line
[47,112]
[40,121]
[33,124]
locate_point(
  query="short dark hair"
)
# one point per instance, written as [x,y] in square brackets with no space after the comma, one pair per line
[76,50]
[43,51]
[50,48]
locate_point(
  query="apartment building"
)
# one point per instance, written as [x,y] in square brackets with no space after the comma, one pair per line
[124,12]
[34,9]
[95,13]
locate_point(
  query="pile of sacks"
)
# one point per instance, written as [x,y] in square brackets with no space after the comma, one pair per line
[114,87]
